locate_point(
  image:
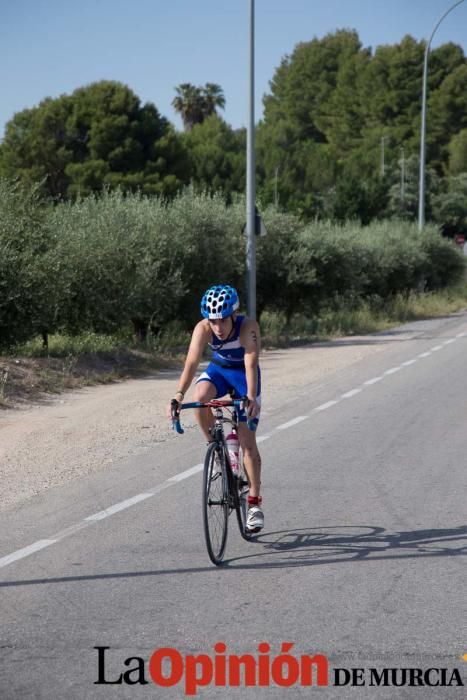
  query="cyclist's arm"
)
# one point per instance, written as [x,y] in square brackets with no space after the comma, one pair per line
[250,339]
[199,339]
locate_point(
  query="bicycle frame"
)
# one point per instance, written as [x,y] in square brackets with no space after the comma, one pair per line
[217,431]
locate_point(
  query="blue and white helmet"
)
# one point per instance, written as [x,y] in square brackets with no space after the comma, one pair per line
[219,301]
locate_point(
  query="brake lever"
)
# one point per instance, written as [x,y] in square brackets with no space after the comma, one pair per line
[176,425]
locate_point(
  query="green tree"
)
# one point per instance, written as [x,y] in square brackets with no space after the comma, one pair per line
[217,156]
[305,81]
[98,136]
[447,115]
[30,272]
[391,88]
[293,171]
[458,153]
[450,206]
[36,146]
[358,200]
[330,104]
[312,120]
[404,203]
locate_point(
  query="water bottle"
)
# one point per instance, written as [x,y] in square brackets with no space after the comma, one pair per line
[233,448]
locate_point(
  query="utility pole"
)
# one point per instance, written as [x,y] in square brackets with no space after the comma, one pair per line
[250,177]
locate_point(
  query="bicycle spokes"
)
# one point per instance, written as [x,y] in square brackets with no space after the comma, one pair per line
[215,503]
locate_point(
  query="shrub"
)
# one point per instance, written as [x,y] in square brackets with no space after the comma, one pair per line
[29,277]
[107,261]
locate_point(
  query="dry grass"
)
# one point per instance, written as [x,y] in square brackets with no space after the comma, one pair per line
[361,317]
[26,380]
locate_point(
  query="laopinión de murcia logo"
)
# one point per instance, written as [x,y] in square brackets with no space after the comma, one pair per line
[167,667]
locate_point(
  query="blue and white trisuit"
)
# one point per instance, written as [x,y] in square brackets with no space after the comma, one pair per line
[227,368]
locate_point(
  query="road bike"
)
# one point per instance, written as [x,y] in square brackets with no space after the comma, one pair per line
[224,490]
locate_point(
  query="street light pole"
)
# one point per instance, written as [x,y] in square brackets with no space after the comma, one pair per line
[250,177]
[421,196]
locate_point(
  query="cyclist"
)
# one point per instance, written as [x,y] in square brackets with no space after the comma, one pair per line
[234,369]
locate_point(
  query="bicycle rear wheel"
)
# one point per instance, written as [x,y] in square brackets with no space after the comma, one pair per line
[243,489]
[215,503]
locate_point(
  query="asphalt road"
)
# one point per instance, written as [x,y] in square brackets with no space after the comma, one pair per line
[362,559]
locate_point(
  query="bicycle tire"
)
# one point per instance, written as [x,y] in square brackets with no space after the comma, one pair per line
[215,503]
[241,506]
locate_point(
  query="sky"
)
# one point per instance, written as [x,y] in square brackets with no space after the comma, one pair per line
[52,47]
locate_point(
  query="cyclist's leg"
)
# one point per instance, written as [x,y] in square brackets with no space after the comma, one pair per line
[247,437]
[251,457]
[209,385]
[252,461]
[205,391]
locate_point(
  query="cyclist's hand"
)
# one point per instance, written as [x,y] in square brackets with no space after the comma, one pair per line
[173,409]
[252,408]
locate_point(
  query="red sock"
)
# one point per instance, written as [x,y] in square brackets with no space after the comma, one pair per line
[254,500]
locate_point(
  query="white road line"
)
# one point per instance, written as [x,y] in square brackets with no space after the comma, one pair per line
[119,506]
[262,438]
[73,529]
[349,394]
[324,406]
[424,354]
[461,335]
[369,382]
[164,485]
[25,552]
[407,363]
[393,370]
[184,475]
[448,342]
[292,422]
[436,348]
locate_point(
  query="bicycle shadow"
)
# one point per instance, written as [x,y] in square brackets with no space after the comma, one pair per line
[304,547]
[339,544]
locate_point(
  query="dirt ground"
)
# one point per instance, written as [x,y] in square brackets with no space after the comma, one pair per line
[80,431]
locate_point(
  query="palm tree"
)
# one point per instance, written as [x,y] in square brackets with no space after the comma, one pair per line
[213,97]
[189,104]
[194,104]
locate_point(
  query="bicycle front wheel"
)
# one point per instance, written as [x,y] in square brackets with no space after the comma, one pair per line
[215,503]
